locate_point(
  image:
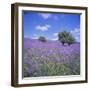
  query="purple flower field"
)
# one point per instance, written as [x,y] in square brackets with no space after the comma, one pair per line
[50,58]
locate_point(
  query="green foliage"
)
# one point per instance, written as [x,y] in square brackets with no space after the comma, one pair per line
[53,69]
[36,63]
[70,39]
[26,69]
[42,39]
[66,37]
[44,67]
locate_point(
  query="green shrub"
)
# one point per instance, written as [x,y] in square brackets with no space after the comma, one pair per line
[53,69]
[42,39]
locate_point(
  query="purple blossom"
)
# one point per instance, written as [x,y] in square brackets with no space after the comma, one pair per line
[37,53]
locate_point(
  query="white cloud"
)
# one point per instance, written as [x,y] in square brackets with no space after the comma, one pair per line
[43,28]
[35,36]
[76,30]
[54,39]
[48,26]
[55,34]
[76,33]
[45,15]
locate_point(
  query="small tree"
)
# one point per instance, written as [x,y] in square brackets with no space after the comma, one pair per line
[42,39]
[66,37]
[70,39]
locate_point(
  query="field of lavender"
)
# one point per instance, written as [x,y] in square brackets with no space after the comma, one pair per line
[50,58]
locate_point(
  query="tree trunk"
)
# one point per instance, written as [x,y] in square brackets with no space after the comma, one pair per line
[69,44]
[62,43]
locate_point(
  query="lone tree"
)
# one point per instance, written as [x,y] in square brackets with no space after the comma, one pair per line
[70,39]
[66,37]
[42,39]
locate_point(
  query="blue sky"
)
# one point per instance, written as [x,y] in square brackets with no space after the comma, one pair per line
[49,24]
